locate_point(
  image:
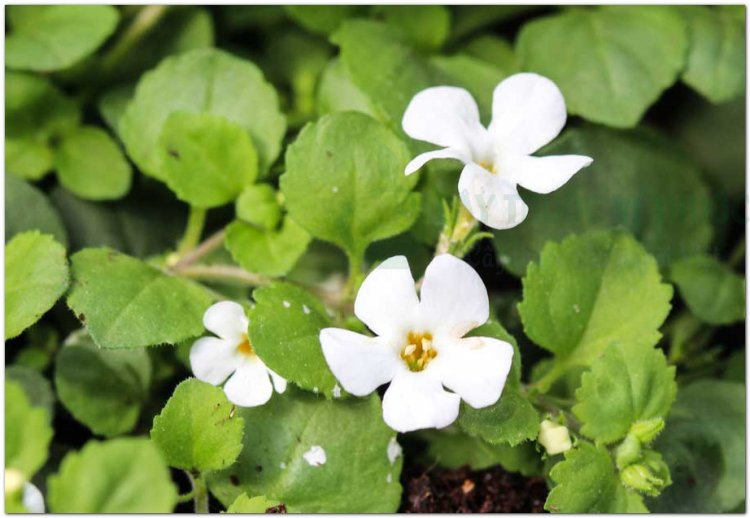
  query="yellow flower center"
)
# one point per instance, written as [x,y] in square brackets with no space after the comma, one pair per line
[488,166]
[418,351]
[246,348]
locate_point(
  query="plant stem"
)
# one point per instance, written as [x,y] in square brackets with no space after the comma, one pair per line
[202,250]
[200,492]
[451,237]
[192,235]
[738,253]
[142,24]
[355,276]
[224,273]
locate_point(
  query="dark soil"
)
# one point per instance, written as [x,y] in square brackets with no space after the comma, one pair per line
[462,490]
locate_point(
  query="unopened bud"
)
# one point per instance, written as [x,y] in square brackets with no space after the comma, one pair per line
[628,452]
[554,437]
[643,479]
[646,431]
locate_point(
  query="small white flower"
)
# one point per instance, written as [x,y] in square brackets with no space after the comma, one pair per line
[214,359]
[419,347]
[315,456]
[554,437]
[32,499]
[528,111]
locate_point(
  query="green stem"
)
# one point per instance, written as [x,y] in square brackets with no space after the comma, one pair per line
[193,231]
[200,493]
[544,383]
[181,499]
[146,19]
[737,254]
[355,275]
[223,274]
[202,250]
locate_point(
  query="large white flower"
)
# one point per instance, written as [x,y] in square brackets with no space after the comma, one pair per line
[419,347]
[214,359]
[528,111]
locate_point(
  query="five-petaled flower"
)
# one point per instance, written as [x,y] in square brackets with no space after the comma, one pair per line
[419,347]
[528,111]
[214,359]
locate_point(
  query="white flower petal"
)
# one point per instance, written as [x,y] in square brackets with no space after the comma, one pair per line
[447,116]
[454,299]
[528,111]
[226,319]
[250,385]
[490,198]
[32,499]
[212,359]
[543,174]
[475,368]
[279,383]
[387,300]
[422,159]
[360,363]
[417,400]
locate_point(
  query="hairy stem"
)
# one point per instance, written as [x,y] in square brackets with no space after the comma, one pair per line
[199,252]
[200,493]
[224,273]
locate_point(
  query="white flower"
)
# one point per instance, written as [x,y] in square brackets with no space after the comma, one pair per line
[32,499]
[214,359]
[419,347]
[554,437]
[528,111]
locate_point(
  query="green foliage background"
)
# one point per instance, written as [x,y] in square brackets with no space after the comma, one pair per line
[161,158]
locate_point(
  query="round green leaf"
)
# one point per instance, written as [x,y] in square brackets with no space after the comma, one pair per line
[610,62]
[37,388]
[345,182]
[258,205]
[27,208]
[35,108]
[268,252]
[202,81]
[198,428]
[36,275]
[637,181]
[337,92]
[28,431]
[243,504]
[321,19]
[630,382]
[103,389]
[45,38]
[285,325]
[427,26]
[28,158]
[712,291]
[357,476]
[124,475]
[592,290]
[716,60]
[206,159]
[124,302]
[90,164]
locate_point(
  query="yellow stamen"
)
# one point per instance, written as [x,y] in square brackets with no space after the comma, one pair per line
[245,348]
[419,351]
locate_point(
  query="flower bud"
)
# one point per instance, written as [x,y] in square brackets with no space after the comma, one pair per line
[648,477]
[554,437]
[646,431]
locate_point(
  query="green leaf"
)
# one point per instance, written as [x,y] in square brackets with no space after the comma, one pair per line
[510,421]
[124,302]
[426,26]
[124,475]
[320,19]
[357,476]
[27,208]
[494,50]
[126,225]
[202,81]
[716,59]
[258,205]
[28,158]
[206,159]
[36,275]
[197,429]
[383,66]
[453,449]
[268,252]
[629,382]
[337,92]
[712,291]
[704,445]
[588,483]
[243,504]
[37,388]
[90,164]
[112,104]
[611,62]
[28,431]
[103,389]
[285,325]
[45,38]
[637,181]
[349,191]
[590,291]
